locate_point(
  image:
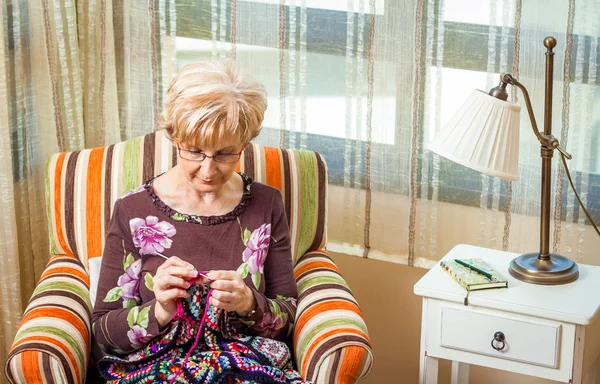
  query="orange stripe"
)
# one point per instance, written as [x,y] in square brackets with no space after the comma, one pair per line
[315,343]
[322,307]
[58,203]
[238,167]
[56,343]
[313,265]
[66,270]
[93,204]
[31,366]
[273,167]
[60,313]
[351,363]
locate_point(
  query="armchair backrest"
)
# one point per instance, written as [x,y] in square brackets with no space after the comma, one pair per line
[82,187]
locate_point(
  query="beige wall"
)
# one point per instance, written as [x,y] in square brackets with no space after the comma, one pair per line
[393,314]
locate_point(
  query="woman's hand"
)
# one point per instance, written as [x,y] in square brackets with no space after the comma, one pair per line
[230,293]
[170,283]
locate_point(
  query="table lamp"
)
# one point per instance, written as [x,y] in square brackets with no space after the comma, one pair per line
[484,135]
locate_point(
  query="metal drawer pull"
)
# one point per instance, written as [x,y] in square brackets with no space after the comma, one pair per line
[498,339]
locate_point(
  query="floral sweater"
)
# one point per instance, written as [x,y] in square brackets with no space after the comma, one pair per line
[253,238]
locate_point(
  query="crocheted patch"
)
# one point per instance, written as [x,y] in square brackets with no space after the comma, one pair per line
[221,354]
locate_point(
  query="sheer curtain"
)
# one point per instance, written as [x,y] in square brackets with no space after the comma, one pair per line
[368,83]
[73,74]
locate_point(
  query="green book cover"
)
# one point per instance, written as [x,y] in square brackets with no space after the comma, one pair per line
[480,275]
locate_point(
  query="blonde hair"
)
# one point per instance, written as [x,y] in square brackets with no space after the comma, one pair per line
[212,101]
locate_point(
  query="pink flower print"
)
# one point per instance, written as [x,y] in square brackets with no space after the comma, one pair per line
[151,236]
[137,336]
[256,249]
[130,281]
[270,323]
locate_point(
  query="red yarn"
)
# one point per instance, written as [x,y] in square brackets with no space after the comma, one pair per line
[179,314]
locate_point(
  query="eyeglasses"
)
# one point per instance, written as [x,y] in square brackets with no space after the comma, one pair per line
[227,158]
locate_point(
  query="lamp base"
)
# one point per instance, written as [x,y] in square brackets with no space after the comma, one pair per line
[530,268]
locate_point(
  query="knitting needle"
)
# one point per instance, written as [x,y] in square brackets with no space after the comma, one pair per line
[199,273]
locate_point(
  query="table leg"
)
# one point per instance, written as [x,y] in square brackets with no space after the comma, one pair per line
[460,373]
[429,370]
[428,365]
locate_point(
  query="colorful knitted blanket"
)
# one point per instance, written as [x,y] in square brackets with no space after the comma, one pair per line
[219,354]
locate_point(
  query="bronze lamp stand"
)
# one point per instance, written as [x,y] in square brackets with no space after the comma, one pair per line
[541,267]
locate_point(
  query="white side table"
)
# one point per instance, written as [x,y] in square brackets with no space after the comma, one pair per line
[551,332]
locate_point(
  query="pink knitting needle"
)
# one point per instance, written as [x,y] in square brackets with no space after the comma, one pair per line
[199,273]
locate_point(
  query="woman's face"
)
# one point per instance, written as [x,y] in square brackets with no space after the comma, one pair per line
[209,175]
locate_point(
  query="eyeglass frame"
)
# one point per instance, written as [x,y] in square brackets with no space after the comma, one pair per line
[204,155]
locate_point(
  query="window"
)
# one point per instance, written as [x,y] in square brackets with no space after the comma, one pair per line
[460,44]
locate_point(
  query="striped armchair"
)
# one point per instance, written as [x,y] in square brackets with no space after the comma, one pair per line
[53,342]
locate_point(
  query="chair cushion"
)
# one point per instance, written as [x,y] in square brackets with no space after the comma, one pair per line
[94,271]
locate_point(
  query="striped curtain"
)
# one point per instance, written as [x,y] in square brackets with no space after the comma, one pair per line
[73,74]
[368,84]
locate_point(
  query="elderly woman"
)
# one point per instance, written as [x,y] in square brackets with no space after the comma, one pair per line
[196,283]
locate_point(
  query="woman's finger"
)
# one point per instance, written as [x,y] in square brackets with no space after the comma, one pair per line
[172,294]
[220,304]
[168,281]
[183,272]
[224,297]
[175,261]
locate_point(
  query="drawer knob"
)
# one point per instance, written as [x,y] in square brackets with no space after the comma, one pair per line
[498,343]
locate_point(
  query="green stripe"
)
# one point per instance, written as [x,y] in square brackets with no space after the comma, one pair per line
[72,343]
[63,286]
[53,247]
[317,280]
[131,165]
[307,166]
[329,324]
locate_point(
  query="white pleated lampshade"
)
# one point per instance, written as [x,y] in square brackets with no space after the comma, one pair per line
[483,135]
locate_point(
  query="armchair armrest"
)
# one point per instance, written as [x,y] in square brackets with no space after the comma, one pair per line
[331,344]
[53,340]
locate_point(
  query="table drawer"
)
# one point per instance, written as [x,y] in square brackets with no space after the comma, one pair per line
[525,341]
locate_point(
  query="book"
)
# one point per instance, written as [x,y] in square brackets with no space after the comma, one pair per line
[474,274]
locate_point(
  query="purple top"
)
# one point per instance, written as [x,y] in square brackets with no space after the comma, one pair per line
[253,238]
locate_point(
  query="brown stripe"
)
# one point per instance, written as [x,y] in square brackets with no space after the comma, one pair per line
[102,86]
[108,186]
[415,127]
[69,202]
[69,309]
[8,369]
[326,347]
[47,369]
[50,51]
[65,259]
[370,85]
[154,61]
[67,294]
[233,31]
[320,287]
[564,135]
[148,156]
[337,357]
[515,68]
[316,254]
[249,160]
[69,277]
[57,353]
[287,176]
[282,50]
[320,231]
